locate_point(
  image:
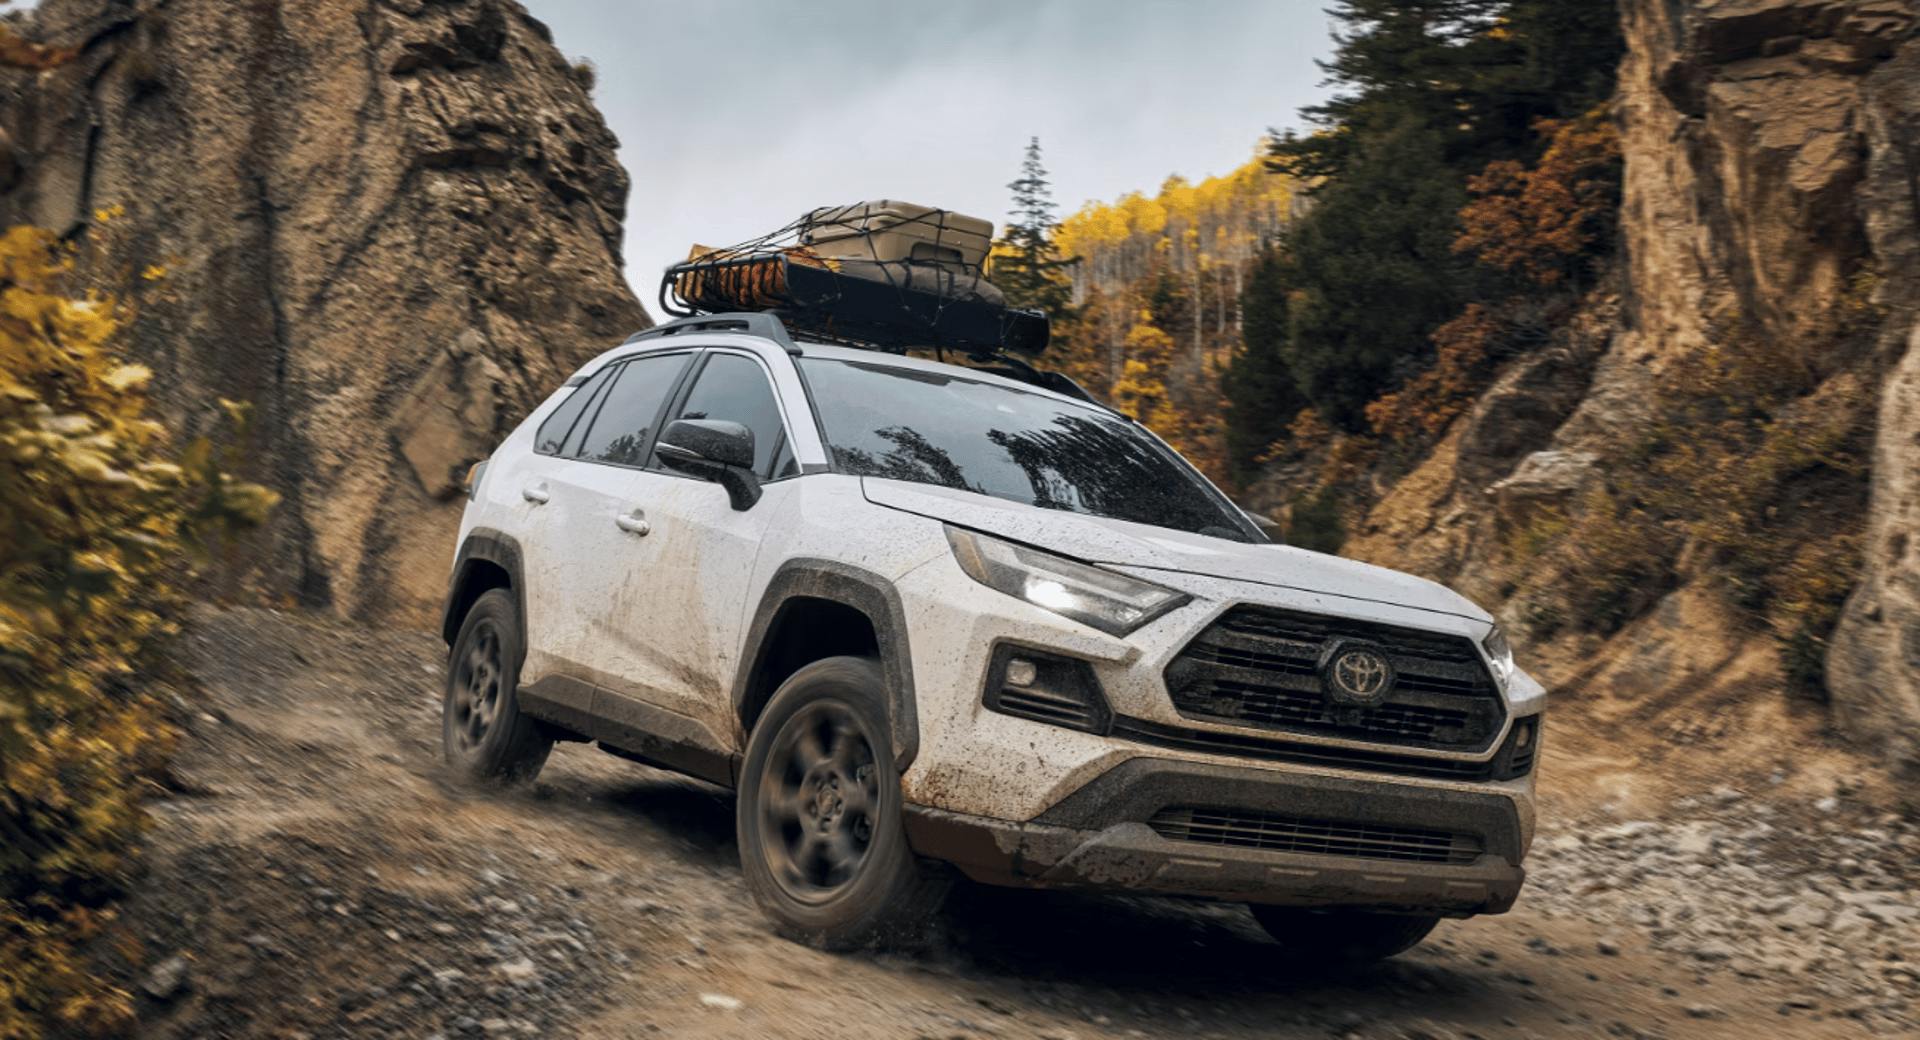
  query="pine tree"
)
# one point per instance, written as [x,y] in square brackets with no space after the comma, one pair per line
[1476,72]
[1429,95]
[1027,265]
[1261,396]
[1398,62]
[1372,273]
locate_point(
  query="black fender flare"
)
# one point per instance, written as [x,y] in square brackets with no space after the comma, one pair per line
[872,595]
[495,547]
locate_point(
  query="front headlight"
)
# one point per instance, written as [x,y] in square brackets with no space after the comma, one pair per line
[1112,603]
[1500,654]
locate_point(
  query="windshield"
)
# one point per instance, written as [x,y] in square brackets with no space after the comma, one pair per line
[934,428]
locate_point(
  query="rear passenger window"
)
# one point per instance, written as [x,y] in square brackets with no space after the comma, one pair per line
[553,432]
[571,449]
[623,426]
[735,388]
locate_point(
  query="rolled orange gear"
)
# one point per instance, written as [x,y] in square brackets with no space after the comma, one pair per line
[757,284]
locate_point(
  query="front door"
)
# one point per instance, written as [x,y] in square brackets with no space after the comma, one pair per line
[678,596]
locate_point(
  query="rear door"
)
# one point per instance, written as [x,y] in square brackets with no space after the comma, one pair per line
[540,529]
[596,476]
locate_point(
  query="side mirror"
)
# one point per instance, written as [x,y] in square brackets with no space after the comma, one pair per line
[715,450]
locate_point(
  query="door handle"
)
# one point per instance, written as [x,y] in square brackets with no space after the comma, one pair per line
[634,523]
[537,495]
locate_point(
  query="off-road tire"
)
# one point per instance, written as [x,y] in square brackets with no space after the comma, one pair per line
[1342,938]
[486,738]
[800,824]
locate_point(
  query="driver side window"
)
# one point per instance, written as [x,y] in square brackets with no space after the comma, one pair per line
[735,389]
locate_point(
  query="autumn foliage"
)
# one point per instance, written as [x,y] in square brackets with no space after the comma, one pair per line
[1157,282]
[1463,362]
[1544,222]
[1547,225]
[19,53]
[98,514]
[1460,159]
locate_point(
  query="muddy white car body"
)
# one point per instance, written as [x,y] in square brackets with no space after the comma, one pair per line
[660,616]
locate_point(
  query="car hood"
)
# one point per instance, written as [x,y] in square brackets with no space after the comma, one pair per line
[1140,546]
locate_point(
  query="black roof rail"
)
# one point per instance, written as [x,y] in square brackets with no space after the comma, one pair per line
[767,325]
[751,323]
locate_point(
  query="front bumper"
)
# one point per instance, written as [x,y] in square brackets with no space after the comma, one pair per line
[1099,837]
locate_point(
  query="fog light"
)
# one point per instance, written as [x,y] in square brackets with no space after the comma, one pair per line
[1525,736]
[1021,672]
[1044,687]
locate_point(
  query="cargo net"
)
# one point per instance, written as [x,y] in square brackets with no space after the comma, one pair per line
[847,275]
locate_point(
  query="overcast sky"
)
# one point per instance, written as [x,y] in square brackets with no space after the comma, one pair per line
[736,116]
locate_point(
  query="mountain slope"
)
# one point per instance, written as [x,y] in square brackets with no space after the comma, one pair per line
[1669,493]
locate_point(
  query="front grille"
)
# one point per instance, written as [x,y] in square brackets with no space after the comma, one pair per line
[1259,667]
[1244,829]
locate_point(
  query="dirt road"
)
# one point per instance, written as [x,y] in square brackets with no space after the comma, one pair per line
[315,874]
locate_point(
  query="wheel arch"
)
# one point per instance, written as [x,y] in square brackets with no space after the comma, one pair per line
[799,608]
[488,559]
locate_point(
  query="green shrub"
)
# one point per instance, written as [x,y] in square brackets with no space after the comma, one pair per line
[96,520]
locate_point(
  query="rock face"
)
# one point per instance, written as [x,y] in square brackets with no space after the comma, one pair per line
[1874,668]
[392,225]
[1772,151]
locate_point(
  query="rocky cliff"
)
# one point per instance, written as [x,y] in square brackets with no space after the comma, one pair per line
[1772,157]
[392,225]
[1773,152]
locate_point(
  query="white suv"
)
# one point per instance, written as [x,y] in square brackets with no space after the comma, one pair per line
[925,617]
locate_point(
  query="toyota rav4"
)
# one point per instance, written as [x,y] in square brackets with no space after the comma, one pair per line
[927,618]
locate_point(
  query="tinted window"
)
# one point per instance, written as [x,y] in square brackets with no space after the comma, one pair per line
[571,448]
[735,388]
[784,464]
[623,427]
[554,431]
[932,428]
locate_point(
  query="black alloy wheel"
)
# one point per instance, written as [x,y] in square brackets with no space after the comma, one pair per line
[823,843]
[483,734]
[474,700]
[820,792]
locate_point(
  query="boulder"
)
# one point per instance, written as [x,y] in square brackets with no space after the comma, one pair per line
[1543,477]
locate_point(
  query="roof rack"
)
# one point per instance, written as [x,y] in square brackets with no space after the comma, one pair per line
[879,276]
[863,281]
[768,325]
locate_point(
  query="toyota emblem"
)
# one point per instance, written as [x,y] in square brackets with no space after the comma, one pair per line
[1359,676]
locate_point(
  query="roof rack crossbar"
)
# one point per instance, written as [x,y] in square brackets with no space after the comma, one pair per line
[751,323]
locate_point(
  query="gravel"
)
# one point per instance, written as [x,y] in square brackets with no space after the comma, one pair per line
[333,883]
